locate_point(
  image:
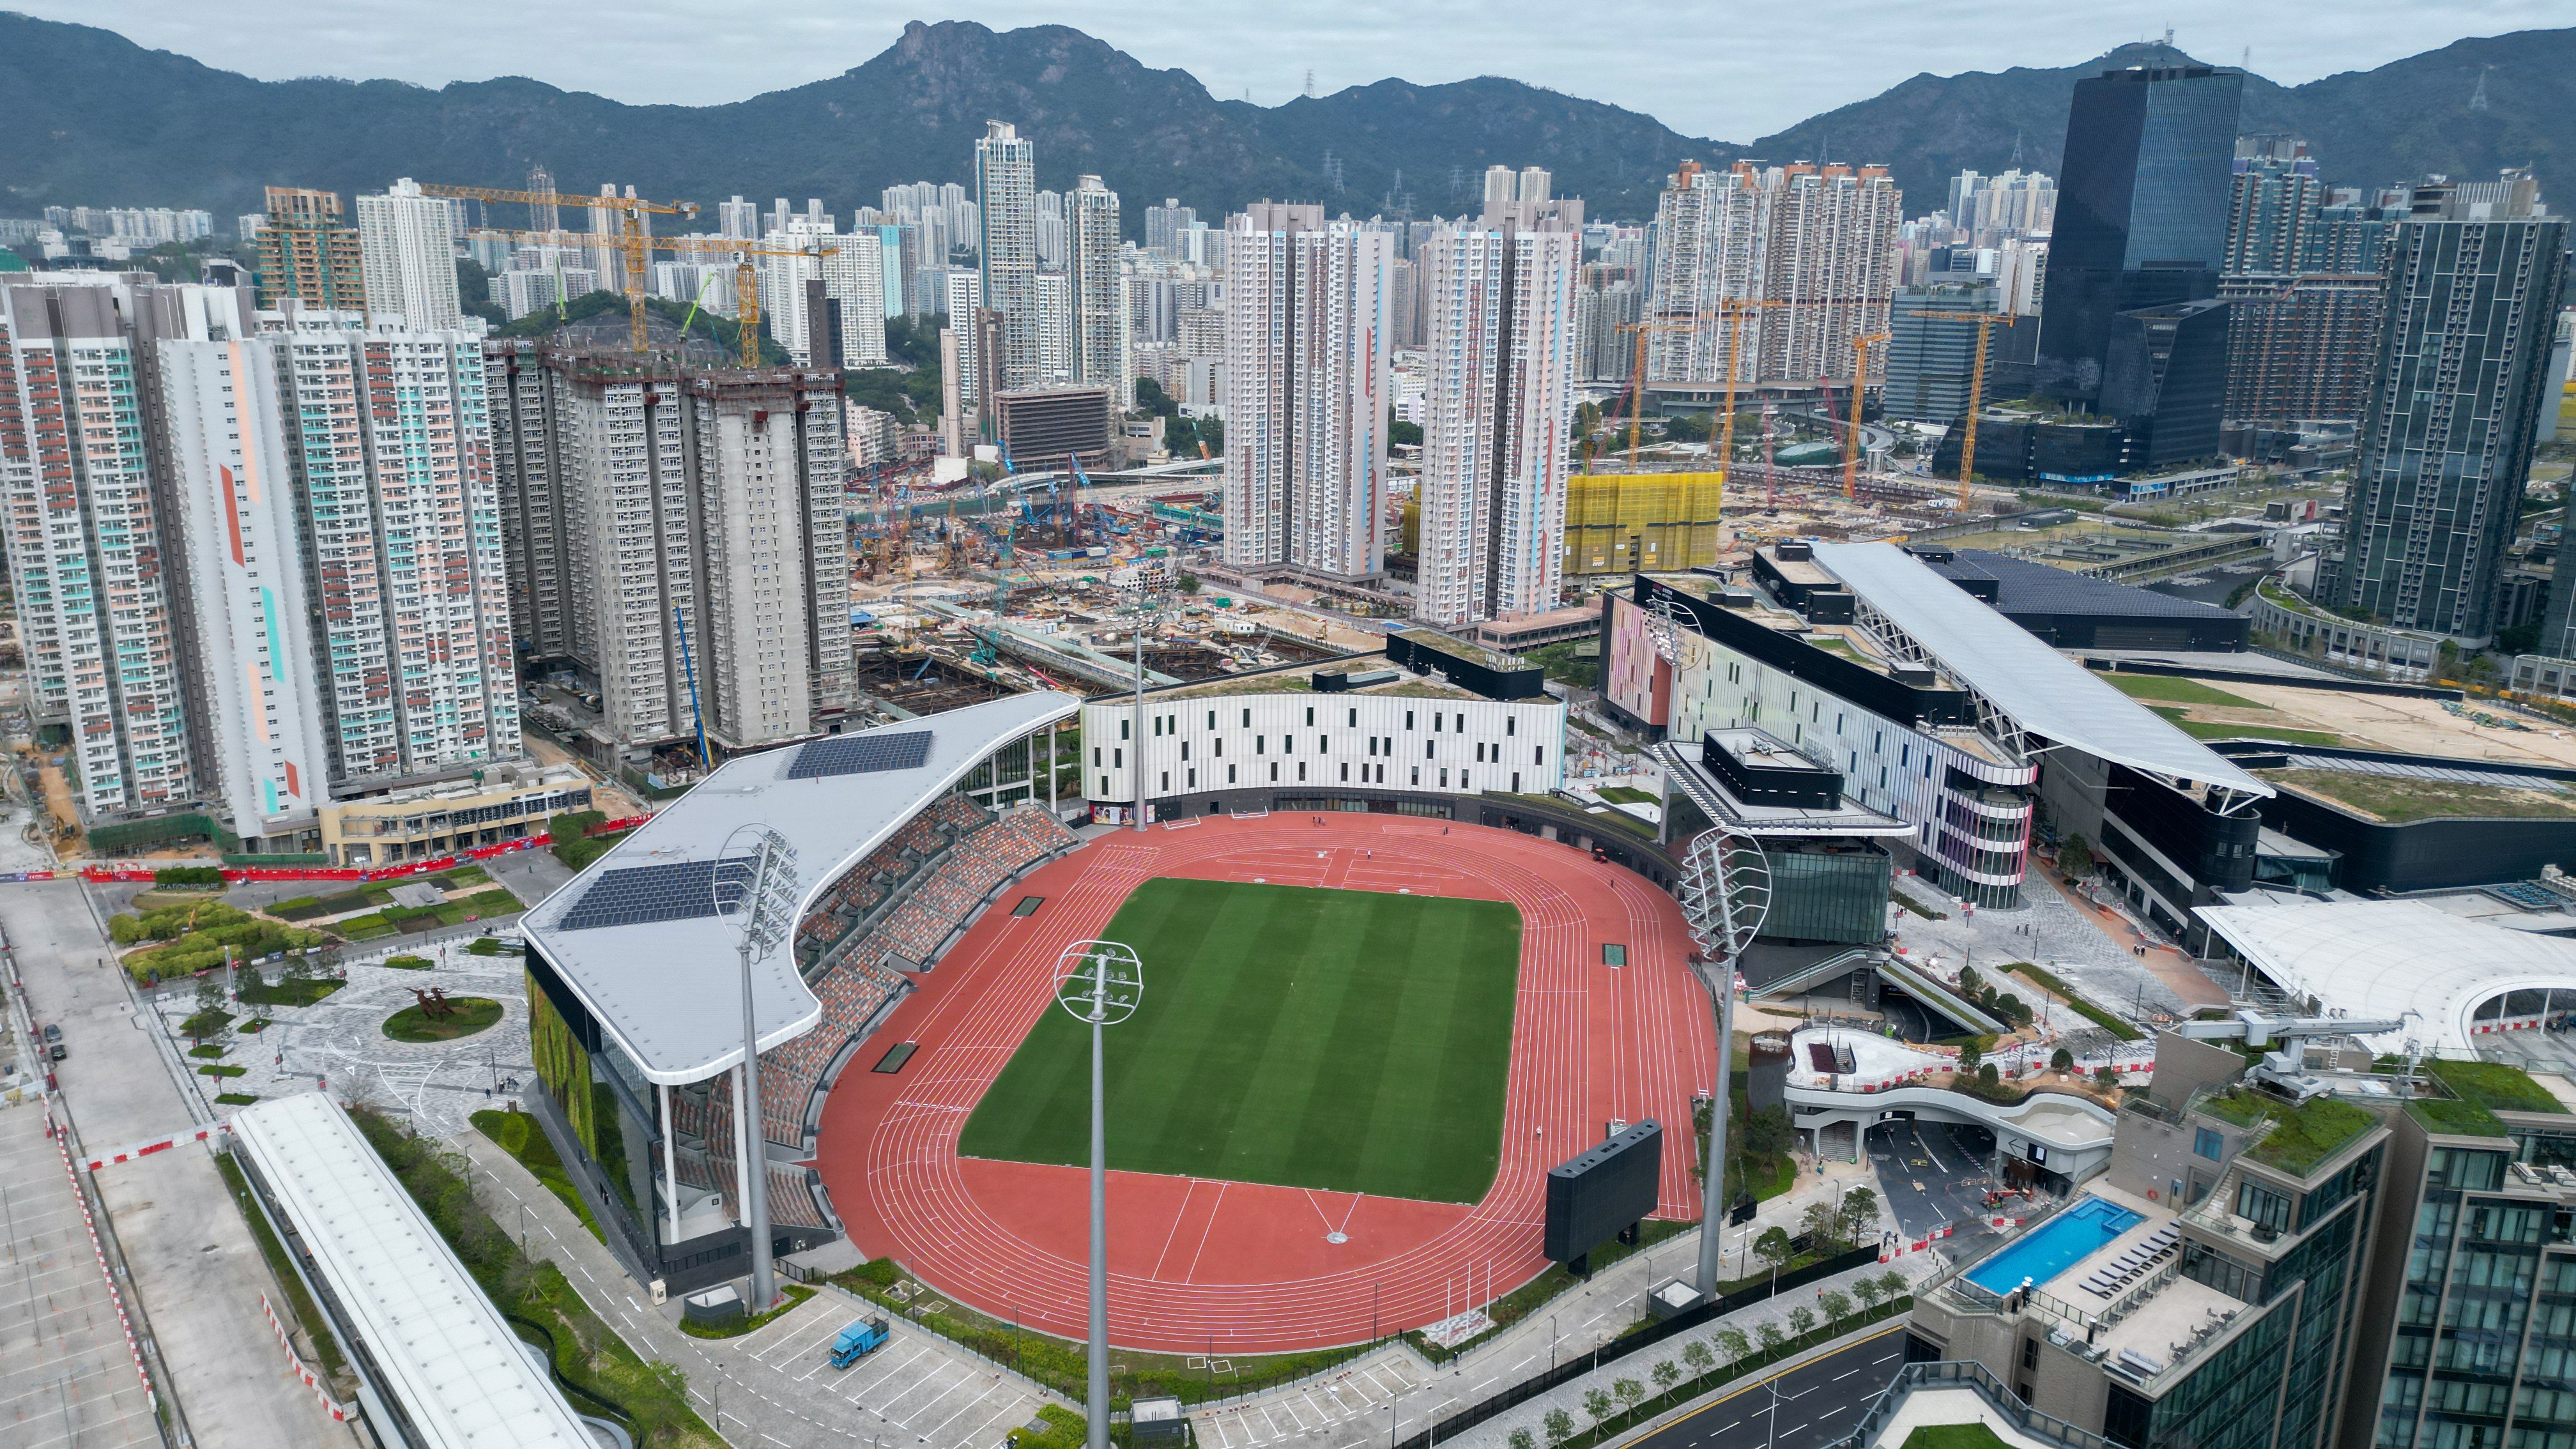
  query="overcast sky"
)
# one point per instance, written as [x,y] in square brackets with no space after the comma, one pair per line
[1733,71]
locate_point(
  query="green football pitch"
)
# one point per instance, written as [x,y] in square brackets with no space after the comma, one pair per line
[1353,1041]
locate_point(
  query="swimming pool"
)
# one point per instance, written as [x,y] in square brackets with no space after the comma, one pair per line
[2055,1245]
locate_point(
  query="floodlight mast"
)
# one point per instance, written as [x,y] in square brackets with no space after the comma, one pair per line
[755,878]
[1726,891]
[1100,983]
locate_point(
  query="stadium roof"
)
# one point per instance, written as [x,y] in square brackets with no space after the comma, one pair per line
[637,938]
[2392,959]
[438,1344]
[2024,587]
[2044,692]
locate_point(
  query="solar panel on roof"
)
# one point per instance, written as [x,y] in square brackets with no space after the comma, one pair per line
[861,755]
[642,894]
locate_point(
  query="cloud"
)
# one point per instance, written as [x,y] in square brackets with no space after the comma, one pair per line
[1733,71]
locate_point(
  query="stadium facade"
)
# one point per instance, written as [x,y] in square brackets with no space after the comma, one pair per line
[903,834]
[1943,713]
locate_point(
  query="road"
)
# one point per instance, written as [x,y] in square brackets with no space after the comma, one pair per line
[1931,1173]
[1817,1403]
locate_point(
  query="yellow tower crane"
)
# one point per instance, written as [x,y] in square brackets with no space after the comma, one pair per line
[1860,386]
[1976,391]
[746,289]
[630,238]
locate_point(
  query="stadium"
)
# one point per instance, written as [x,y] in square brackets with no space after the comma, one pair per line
[1367,1035]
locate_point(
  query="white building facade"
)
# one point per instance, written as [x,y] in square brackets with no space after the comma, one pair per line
[1289,744]
[1496,440]
[407,256]
[1307,359]
[1006,193]
[1097,287]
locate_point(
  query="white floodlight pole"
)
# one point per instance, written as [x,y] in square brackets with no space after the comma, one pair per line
[756,879]
[1725,891]
[1101,985]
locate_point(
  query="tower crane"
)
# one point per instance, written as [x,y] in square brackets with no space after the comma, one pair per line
[746,288]
[1976,391]
[630,238]
[1860,386]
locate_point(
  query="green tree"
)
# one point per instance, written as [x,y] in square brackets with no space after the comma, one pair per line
[2061,1060]
[1629,1392]
[1597,1403]
[1835,1304]
[2075,857]
[1522,1438]
[1988,1079]
[1732,1342]
[1823,1225]
[1893,1282]
[1696,1354]
[1773,1247]
[1667,1373]
[1802,1321]
[2106,1076]
[1558,1426]
[1189,585]
[1402,433]
[1770,1335]
[1866,1287]
[1860,1214]
[1971,1052]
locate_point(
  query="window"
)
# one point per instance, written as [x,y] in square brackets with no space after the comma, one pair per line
[1122,729]
[1301,772]
[2030,1353]
[1355,719]
[1516,782]
[1095,755]
[1104,787]
[1444,779]
[1542,756]
[2266,1208]
[1310,714]
[1462,723]
[1118,759]
[1261,744]
[1167,780]
[1417,774]
[1511,724]
[1430,749]
[1247,719]
[1211,719]
[1346,772]
[1194,779]
[1408,719]
[1220,747]
[1274,772]
[1229,774]
[1435,723]
[2208,1144]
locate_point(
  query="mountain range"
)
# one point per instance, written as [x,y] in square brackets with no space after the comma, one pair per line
[99,120]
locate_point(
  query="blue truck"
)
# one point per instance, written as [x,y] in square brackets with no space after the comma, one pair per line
[857,1341]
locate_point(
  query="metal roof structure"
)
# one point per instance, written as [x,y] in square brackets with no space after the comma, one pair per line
[659,971]
[2024,587]
[2021,685]
[2391,959]
[436,1345]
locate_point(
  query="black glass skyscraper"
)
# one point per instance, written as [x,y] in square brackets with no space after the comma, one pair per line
[2142,206]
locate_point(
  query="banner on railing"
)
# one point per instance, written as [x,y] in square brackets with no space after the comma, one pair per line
[298,1368]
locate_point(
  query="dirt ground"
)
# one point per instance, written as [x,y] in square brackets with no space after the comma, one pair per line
[2388,722]
[606,796]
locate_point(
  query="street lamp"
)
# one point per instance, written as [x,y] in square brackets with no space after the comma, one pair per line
[754,880]
[1100,983]
[1726,891]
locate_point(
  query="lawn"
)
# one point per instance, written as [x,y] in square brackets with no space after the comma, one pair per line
[2201,729]
[1350,1041]
[466,1016]
[2397,799]
[2171,690]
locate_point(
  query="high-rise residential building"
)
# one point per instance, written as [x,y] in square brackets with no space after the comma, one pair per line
[1820,241]
[2352,227]
[1055,329]
[1306,357]
[2468,318]
[407,251]
[1098,287]
[281,578]
[543,215]
[891,252]
[2300,347]
[964,293]
[738,219]
[661,520]
[1005,193]
[854,276]
[87,540]
[1606,312]
[2272,207]
[1050,230]
[1525,198]
[1990,210]
[2149,162]
[1496,436]
[1167,227]
[306,251]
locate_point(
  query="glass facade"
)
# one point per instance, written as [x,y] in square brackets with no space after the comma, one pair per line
[1834,892]
[2141,223]
[2466,328]
[2483,1354]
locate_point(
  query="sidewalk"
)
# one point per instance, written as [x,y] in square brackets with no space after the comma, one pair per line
[774,1386]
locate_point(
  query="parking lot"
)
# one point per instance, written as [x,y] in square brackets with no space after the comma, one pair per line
[918,1389]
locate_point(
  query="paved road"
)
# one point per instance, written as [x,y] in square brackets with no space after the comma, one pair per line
[1817,1403]
[194,1267]
[1931,1173]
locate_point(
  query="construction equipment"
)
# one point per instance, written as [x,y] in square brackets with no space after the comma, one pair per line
[1859,389]
[630,238]
[746,287]
[1976,391]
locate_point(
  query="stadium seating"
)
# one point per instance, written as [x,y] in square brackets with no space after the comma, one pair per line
[856,986]
[791,1199]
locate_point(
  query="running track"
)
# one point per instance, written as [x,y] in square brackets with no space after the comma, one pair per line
[1243,1268]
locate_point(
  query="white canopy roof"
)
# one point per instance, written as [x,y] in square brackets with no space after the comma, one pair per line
[668,987]
[2045,692]
[438,1344]
[2394,958]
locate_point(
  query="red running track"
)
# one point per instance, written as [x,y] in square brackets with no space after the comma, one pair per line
[1240,1266]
